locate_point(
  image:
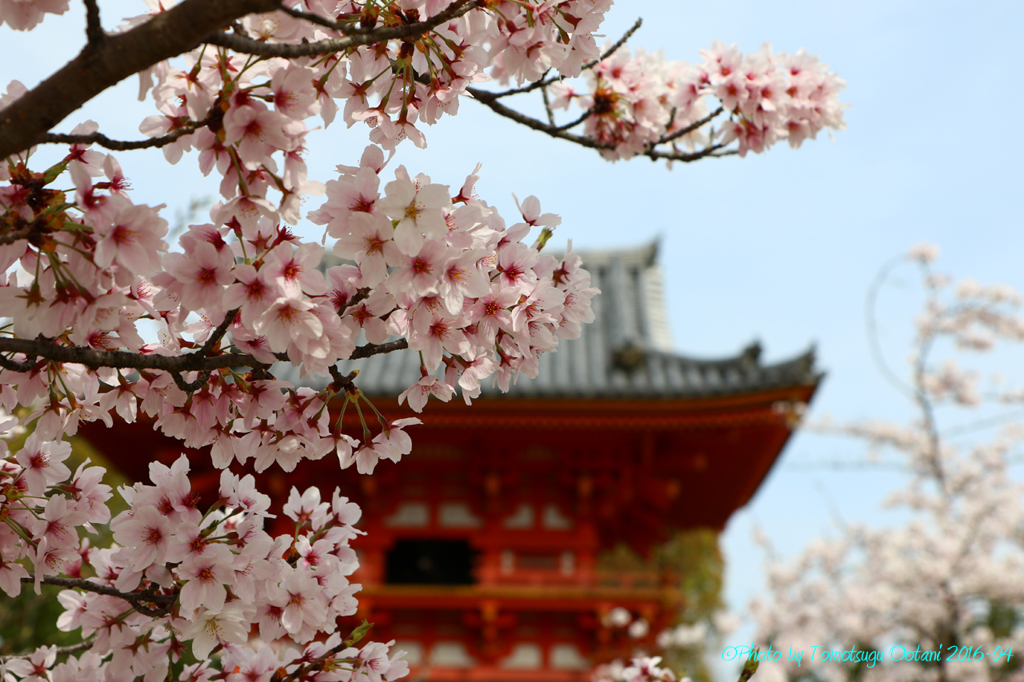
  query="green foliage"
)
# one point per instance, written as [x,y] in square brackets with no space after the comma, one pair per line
[694,563]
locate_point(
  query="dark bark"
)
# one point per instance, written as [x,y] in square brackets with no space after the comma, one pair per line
[103,64]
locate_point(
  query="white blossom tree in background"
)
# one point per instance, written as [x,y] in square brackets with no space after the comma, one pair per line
[104,320]
[940,595]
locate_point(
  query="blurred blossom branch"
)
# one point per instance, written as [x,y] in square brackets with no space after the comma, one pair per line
[942,581]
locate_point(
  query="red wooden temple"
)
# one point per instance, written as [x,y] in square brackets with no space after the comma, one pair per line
[481,550]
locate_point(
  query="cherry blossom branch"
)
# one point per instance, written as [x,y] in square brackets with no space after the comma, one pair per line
[489,100]
[93,28]
[246,45]
[119,359]
[916,393]
[317,19]
[70,649]
[343,27]
[219,332]
[15,235]
[317,664]
[572,124]
[100,66]
[356,298]
[371,349]
[123,146]
[871,326]
[544,82]
[696,125]
[136,599]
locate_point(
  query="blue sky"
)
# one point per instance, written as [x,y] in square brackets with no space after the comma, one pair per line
[779,247]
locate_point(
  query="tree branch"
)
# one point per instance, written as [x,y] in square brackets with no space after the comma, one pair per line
[15,235]
[320,21]
[696,125]
[247,45]
[136,599]
[378,349]
[219,332]
[119,359]
[123,146]
[93,28]
[98,67]
[489,100]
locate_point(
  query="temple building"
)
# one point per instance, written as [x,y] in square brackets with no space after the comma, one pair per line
[481,553]
[482,549]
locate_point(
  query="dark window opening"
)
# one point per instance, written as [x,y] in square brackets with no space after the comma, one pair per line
[430,562]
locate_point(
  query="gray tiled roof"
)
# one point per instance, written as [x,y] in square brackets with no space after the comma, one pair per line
[626,352]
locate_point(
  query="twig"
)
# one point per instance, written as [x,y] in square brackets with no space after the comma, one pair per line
[871,328]
[124,146]
[190,386]
[687,157]
[547,106]
[247,45]
[676,134]
[70,649]
[343,383]
[11,237]
[119,359]
[489,100]
[749,668]
[378,349]
[93,28]
[219,332]
[318,663]
[582,117]
[136,599]
[15,366]
[319,20]
[543,82]
[356,298]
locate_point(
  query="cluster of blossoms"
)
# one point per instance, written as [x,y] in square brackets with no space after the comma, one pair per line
[441,274]
[632,102]
[178,576]
[390,86]
[945,581]
[639,669]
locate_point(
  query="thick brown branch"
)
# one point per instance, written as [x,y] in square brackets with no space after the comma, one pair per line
[98,67]
[289,51]
[123,146]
